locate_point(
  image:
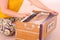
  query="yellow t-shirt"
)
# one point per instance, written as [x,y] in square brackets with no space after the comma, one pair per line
[13,5]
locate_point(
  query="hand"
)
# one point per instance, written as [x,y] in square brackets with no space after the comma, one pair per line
[24,15]
[27,14]
[54,12]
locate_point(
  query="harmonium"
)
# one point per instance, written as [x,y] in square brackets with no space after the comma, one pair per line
[37,26]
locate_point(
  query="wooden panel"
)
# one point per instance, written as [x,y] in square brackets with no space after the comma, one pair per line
[30,32]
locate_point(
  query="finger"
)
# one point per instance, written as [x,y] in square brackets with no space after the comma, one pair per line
[28,14]
[55,13]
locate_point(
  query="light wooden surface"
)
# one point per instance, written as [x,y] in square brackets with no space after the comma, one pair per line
[3,37]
